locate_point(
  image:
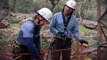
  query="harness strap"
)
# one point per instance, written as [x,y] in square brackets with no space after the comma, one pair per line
[65,22]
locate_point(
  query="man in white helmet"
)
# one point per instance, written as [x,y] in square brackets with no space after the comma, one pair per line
[28,38]
[64,26]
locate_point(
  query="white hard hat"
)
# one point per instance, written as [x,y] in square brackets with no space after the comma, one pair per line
[71,4]
[46,13]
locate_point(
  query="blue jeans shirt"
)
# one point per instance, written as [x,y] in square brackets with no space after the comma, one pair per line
[57,25]
[26,37]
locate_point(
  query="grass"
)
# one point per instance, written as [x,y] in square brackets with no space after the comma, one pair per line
[83,29]
[86,38]
[2,43]
[14,25]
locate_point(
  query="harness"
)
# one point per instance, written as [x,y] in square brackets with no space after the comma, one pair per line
[36,32]
[65,22]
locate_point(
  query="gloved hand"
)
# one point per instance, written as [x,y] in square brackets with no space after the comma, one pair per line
[83,42]
[62,34]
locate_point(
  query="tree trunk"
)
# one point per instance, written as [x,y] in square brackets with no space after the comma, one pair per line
[100,36]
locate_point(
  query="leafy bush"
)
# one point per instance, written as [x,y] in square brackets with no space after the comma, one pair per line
[2,43]
[89,15]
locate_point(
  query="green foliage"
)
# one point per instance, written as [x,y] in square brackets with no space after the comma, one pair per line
[21,5]
[2,43]
[83,29]
[90,15]
[28,6]
[44,43]
[86,9]
[86,38]
[4,4]
[15,25]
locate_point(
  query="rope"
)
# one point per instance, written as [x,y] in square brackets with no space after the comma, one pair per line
[14,54]
[40,52]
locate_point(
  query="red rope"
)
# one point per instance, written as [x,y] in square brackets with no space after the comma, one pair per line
[10,54]
[14,54]
[41,52]
[56,50]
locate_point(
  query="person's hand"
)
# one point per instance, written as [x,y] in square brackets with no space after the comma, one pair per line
[62,34]
[83,42]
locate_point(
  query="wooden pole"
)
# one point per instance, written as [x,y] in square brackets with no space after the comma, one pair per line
[100,36]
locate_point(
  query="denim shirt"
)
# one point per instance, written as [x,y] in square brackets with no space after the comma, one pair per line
[26,37]
[26,31]
[57,25]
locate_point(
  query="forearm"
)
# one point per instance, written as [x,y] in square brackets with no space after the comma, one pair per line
[77,36]
[76,32]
